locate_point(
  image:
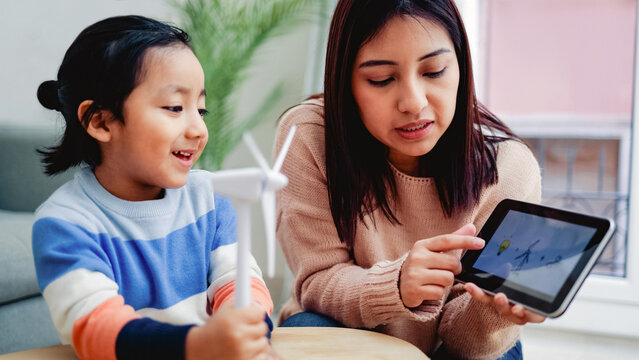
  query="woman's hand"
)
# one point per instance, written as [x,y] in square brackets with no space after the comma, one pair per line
[431,265]
[513,313]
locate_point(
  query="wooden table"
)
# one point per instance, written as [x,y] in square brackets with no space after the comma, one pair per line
[292,343]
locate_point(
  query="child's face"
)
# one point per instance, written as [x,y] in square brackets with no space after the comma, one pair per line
[163,133]
[405,84]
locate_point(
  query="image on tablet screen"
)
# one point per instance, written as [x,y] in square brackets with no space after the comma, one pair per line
[534,253]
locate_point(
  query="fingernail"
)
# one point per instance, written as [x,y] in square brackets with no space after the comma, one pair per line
[479,242]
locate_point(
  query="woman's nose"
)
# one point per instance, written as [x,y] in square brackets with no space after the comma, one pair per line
[412,98]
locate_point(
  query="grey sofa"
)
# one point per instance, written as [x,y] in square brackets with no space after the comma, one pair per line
[25,322]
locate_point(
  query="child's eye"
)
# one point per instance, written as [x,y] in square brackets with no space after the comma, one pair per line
[381,82]
[203,112]
[172,108]
[434,75]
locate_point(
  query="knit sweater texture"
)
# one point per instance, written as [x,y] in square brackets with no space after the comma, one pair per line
[125,278]
[359,286]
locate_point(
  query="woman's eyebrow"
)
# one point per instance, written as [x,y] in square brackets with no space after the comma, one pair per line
[370,63]
[434,53]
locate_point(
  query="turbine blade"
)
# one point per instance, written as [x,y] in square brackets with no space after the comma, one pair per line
[250,142]
[268,208]
[287,143]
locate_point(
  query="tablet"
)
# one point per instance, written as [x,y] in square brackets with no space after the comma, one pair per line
[537,255]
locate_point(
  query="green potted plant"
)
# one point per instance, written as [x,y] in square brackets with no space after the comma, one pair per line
[225,36]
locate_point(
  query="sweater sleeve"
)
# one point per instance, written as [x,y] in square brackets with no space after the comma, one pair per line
[78,285]
[326,279]
[470,329]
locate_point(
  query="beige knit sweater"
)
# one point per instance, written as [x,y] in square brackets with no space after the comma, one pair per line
[359,288]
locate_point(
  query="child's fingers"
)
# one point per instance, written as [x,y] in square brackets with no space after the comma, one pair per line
[251,315]
[257,348]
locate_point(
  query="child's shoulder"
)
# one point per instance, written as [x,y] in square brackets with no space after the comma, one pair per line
[70,202]
[199,192]
[69,196]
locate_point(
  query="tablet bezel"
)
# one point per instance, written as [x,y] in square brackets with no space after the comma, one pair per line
[494,284]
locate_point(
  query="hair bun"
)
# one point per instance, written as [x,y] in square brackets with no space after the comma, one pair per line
[48,95]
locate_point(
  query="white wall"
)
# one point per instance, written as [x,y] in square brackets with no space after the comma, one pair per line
[36,33]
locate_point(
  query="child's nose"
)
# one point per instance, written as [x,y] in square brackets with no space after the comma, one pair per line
[196,127]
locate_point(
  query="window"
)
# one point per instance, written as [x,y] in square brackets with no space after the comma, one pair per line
[561,74]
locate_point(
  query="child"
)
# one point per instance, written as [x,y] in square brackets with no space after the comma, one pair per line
[136,252]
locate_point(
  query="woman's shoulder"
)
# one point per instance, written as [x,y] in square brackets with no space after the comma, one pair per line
[308,112]
[308,117]
[515,155]
[307,151]
[518,170]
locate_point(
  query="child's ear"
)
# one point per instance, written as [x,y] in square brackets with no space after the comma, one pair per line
[99,125]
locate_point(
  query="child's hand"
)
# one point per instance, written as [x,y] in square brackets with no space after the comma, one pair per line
[513,313]
[431,267]
[238,334]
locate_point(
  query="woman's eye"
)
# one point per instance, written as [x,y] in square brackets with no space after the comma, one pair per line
[172,108]
[434,75]
[381,82]
[203,112]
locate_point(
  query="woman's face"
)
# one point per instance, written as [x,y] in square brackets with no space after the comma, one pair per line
[405,82]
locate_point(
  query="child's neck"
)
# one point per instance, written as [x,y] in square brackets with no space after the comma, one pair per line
[120,189]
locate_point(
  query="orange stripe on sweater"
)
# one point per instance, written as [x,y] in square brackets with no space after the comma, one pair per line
[95,334]
[259,291]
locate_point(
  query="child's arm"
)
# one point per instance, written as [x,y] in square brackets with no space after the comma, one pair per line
[78,285]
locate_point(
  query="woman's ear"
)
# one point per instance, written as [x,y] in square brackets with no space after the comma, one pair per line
[99,124]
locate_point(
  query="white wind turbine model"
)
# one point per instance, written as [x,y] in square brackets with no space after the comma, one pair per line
[247,186]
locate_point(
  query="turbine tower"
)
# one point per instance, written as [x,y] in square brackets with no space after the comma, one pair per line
[247,186]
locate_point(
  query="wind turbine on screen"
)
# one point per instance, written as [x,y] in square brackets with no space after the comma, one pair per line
[247,186]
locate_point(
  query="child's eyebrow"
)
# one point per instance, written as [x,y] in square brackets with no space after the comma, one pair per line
[169,89]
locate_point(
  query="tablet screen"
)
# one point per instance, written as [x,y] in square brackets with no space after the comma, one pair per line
[535,253]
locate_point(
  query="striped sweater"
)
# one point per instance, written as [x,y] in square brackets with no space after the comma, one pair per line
[122,278]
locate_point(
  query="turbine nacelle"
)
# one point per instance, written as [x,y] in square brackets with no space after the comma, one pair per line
[247,184]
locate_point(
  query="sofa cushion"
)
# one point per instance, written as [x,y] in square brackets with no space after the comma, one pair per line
[23,184]
[26,324]
[17,272]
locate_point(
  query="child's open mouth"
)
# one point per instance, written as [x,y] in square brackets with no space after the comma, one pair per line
[183,155]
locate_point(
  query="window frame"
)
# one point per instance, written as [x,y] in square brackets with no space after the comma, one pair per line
[605,304]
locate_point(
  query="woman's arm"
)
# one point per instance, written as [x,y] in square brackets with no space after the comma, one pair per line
[326,278]
[471,328]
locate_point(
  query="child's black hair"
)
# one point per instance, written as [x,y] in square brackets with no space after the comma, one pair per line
[103,64]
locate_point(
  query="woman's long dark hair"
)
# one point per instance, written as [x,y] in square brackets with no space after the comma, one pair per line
[360,179]
[103,64]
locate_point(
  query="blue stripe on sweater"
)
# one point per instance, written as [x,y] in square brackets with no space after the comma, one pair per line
[150,273]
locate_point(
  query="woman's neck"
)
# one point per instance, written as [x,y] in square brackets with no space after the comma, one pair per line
[408,165]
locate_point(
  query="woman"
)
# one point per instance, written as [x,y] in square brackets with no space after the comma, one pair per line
[392,171]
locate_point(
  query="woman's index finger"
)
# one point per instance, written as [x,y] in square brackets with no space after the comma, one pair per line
[455,242]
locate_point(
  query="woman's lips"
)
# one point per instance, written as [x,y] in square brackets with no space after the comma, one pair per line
[415,130]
